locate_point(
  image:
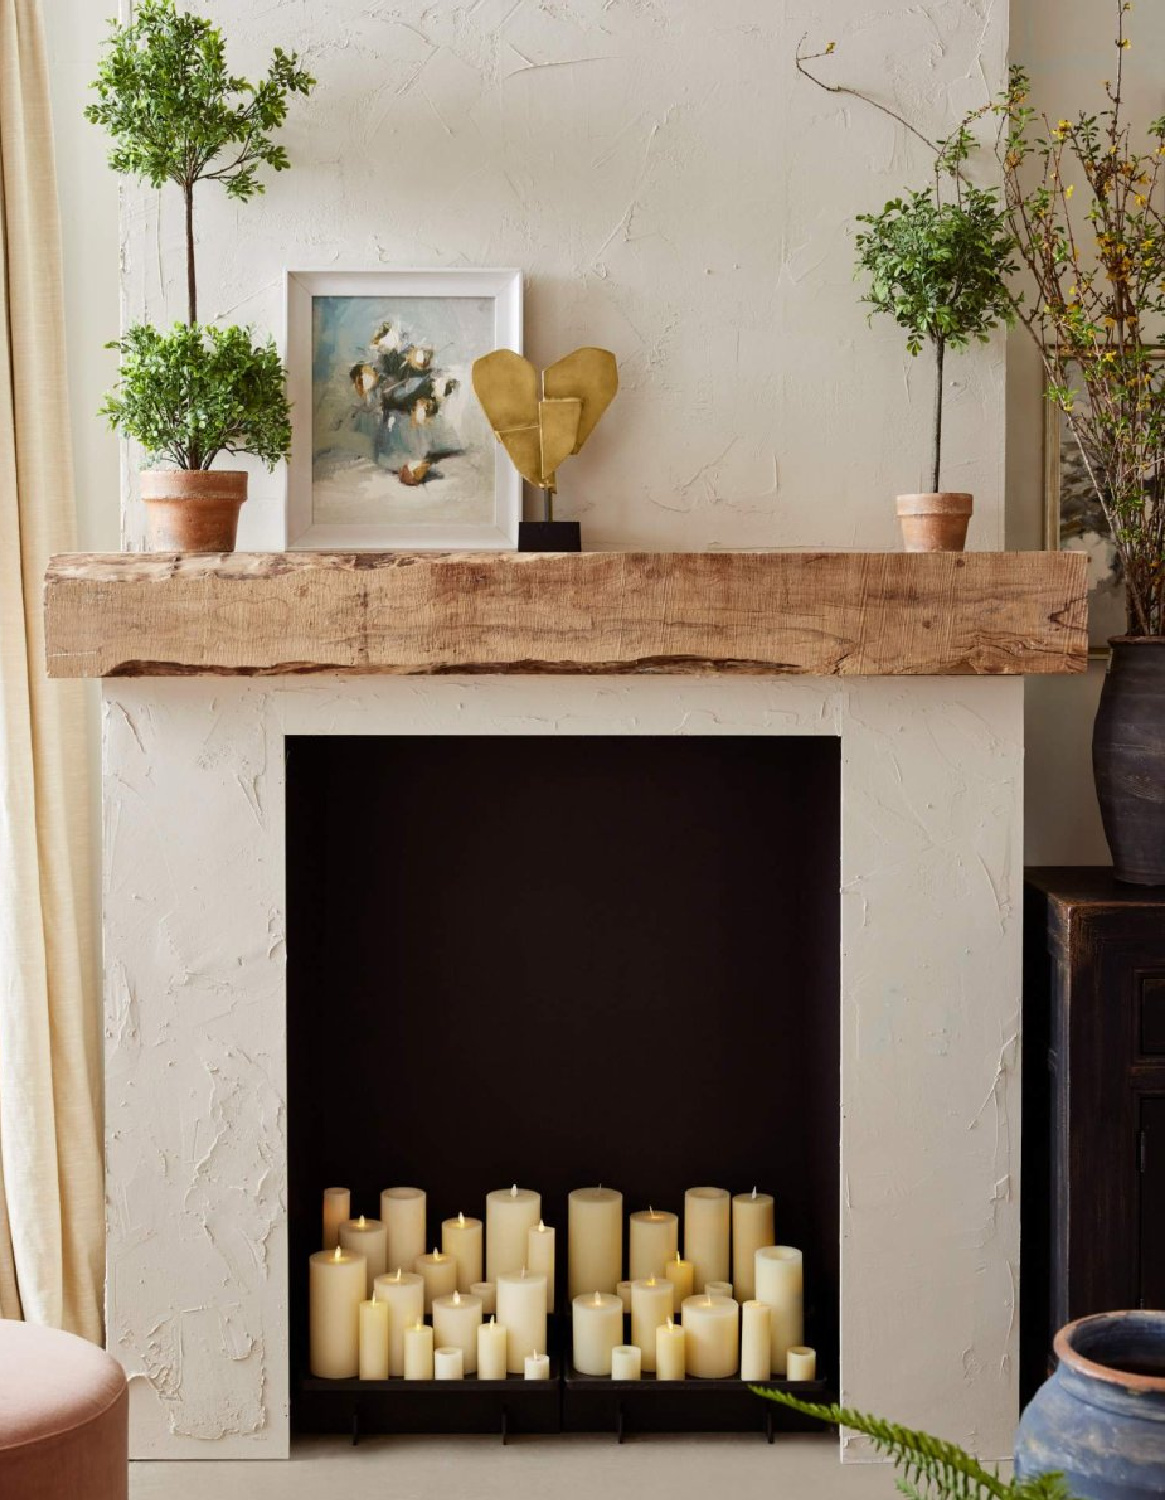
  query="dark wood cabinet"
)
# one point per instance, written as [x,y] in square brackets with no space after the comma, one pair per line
[1093,1189]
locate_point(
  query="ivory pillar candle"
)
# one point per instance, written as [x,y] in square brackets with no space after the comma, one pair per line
[448,1364]
[336,1288]
[682,1275]
[402,1212]
[522,1313]
[369,1238]
[404,1292]
[374,1340]
[419,1352]
[623,1292]
[456,1319]
[626,1362]
[800,1363]
[655,1239]
[439,1274]
[670,1350]
[461,1238]
[712,1331]
[652,1304]
[337,1208]
[485,1293]
[594,1240]
[540,1257]
[491,1351]
[780,1284]
[752,1227]
[510,1214]
[756,1341]
[536,1367]
[597,1326]
[707,1220]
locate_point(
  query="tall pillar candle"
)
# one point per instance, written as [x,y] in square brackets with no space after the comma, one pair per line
[756,1341]
[712,1332]
[594,1240]
[419,1352]
[655,1239]
[337,1208]
[402,1212]
[456,1320]
[670,1349]
[510,1214]
[491,1351]
[369,1238]
[652,1304]
[752,1227]
[707,1223]
[682,1275]
[336,1288]
[780,1283]
[522,1313]
[461,1238]
[487,1295]
[540,1257]
[404,1292]
[597,1327]
[374,1340]
[439,1273]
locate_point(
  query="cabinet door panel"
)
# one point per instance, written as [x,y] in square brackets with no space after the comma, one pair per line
[1153,1202]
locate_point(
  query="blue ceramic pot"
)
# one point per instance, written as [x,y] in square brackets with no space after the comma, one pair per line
[1100,1419]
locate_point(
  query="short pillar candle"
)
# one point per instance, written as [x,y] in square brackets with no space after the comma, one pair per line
[404,1292]
[800,1363]
[780,1284]
[682,1275]
[510,1214]
[369,1238]
[652,1304]
[522,1313]
[419,1352]
[626,1362]
[336,1287]
[456,1319]
[670,1349]
[540,1257]
[374,1340]
[461,1238]
[491,1351]
[439,1274]
[536,1367]
[402,1212]
[756,1341]
[337,1208]
[655,1239]
[594,1240]
[597,1327]
[707,1222]
[448,1364]
[486,1293]
[712,1330]
[752,1227]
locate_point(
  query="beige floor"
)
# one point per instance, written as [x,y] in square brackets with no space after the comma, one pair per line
[584,1468]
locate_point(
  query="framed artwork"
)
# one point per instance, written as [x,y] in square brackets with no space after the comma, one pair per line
[390,449]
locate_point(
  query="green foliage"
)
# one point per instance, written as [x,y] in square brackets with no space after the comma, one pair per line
[195,392]
[930,1468]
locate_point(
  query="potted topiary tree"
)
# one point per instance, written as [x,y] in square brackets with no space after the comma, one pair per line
[178,116]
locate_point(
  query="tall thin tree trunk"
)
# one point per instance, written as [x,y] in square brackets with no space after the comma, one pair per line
[191,285]
[940,348]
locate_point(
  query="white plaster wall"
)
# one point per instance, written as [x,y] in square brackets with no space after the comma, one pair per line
[195,1021]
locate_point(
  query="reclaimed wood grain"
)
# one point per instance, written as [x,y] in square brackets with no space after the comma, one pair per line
[818,613]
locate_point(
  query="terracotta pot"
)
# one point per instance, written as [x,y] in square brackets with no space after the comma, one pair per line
[1128,758]
[935,523]
[193,510]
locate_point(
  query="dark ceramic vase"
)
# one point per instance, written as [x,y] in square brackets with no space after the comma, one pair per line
[1128,758]
[1100,1419]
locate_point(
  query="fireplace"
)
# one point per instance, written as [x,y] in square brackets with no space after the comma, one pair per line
[592,958]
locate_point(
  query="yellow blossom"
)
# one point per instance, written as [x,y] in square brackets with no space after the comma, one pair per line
[1069,190]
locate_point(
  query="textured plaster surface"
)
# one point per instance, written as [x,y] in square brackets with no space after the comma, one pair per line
[673,191]
[195,1022]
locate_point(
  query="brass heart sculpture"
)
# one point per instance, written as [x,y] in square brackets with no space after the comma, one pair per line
[540,427]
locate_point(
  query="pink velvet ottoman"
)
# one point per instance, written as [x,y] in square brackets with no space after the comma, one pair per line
[64,1409]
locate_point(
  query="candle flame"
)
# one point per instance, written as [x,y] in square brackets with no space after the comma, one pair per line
[523,1270]
[651,1281]
[670,1324]
[679,1258]
[397,1276]
[514,1191]
[493,1320]
[754,1192]
[360,1224]
[541,1227]
[461,1216]
[456,1299]
[339,1255]
[598,1299]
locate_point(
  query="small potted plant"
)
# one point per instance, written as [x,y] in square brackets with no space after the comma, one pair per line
[178,116]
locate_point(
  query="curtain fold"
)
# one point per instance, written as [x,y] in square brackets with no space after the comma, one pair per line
[51,1189]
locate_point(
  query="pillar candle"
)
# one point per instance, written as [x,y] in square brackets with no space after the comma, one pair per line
[752,1227]
[718,1288]
[597,1326]
[439,1274]
[402,1212]
[491,1351]
[369,1238]
[652,1303]
[374,1340]
[449,1364]
[419,1352]
[712,1332]
[404,1292]
[800,1363]
[486,1293]
[682,1275]
[456,1319]
[540,1257]
[536,1367]
[780,1284]
[756,1341]
[595,1240]
[655,1239]
[337,1208]
[626,1362]
[623,1292]
[461,1238]
[522,1313]
[336,1288]
[707,1219]
[510,1214]
[670,1348]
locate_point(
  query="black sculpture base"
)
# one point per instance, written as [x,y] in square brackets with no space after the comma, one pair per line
[549,536]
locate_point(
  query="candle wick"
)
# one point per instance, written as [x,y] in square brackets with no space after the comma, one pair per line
[754,1192]
[514,1191]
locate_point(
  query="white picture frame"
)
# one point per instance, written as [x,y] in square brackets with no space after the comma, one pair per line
[313,500]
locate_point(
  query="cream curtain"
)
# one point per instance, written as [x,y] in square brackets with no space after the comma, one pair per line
[51,1197]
